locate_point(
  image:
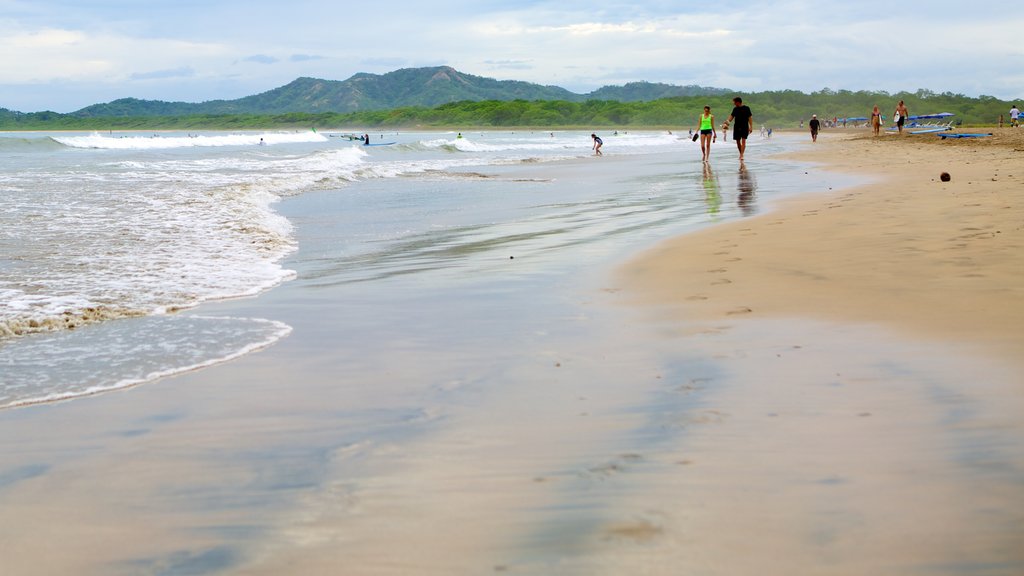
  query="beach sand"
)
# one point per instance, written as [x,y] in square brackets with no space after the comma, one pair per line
[831,388]
[931,258]
[842,458]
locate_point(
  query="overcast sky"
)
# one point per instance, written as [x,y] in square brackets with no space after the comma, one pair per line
[63,55]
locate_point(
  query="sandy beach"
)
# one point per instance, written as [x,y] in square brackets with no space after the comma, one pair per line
[910,464]
[931,258]
[824,384]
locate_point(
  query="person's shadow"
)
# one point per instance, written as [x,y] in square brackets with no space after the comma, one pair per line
[747,186]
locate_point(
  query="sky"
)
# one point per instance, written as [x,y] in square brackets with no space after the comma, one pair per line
[64,55]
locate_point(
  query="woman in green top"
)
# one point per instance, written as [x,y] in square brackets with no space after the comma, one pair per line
[707,132]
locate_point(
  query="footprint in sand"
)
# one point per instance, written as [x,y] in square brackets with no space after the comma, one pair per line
[637,531]
[721,281]
[717,270]
[740,310]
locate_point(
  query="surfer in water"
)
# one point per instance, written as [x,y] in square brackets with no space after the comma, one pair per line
[597,144]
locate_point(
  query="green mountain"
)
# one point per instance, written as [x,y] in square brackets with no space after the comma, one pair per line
[426,87]
[648,91]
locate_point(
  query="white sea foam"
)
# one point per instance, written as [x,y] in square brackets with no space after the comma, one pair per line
[119,355]
[551,142]
[157,141]
[142,236]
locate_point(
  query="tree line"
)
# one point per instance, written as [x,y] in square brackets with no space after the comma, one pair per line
[776,109]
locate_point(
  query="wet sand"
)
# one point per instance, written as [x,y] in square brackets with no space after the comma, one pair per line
[931,258]
[852,450]
[706,408]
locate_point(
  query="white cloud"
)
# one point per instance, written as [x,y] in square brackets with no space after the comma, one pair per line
[162,49]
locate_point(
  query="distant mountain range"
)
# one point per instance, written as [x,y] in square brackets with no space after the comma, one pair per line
[427,87]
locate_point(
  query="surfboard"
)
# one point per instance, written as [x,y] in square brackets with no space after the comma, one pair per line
[381,144]
[944,136]
[896,117]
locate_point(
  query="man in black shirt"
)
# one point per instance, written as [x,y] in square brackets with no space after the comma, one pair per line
[744,124]
[815,125]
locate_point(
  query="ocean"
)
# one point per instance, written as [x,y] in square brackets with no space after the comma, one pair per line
[113,245]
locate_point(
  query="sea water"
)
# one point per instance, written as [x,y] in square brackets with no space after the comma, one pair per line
[106,238]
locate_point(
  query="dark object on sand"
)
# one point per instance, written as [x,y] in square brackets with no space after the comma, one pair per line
[944,176]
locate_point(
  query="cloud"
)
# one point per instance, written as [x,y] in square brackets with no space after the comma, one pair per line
[181,72]
[260,59]
[509,64]
[384,62]
[95,47]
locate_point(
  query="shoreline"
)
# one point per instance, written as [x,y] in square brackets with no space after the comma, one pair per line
[928,258]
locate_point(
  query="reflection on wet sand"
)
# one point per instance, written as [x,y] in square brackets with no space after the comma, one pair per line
[746,185]
[712,195]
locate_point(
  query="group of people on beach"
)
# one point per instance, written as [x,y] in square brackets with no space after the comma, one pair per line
[899,117]
[741,119]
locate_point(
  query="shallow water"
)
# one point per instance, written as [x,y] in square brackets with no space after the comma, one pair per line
[102,232]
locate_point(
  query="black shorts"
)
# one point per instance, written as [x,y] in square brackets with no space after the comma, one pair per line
[740,133]
[708,131]
[900,121]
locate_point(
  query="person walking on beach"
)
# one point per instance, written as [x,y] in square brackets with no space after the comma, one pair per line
[744,124]
[901,115]
[707,133]
[815,125]
[876,120]
[597,144]
[1014,117]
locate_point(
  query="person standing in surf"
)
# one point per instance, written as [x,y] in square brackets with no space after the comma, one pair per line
[706,125]
[744,124]
[597,144]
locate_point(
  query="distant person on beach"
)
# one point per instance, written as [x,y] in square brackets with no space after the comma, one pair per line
[744,124]
[1014,116]
[815,125]
[876,120]
[901,115]
[597,144]
[707,133]
[366,139]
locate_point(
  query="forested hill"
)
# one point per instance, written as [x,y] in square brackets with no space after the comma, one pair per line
[426,87]
[442,96]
